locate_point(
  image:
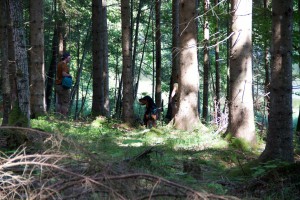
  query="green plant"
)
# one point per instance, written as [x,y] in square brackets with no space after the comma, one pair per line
[216,188]
[241,144]
[264,168]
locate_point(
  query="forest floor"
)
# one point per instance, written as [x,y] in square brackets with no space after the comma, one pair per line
[105,159]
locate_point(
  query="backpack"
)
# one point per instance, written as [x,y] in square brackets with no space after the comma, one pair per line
[67,82]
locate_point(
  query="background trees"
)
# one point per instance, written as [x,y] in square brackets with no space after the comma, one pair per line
[92,93]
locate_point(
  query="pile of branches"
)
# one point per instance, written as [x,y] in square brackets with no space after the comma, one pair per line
[55,175]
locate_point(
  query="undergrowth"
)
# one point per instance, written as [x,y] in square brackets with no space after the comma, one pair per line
[201,159]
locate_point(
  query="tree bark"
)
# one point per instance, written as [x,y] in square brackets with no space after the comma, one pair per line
[105,74]
[217,52]
[136,36]
[127,102]
[5,84]
[187,117]
[175,58]
[52,70]
[241,114]
[158,54]
[206,64]
[279,144]
[98,90]
[21,108]
[37,65]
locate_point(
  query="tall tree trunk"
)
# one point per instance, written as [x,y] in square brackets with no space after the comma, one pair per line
[97,104]
[298,121]
[267,68]
[5,84]
[136,36]
[241,114]
[127,102]
[52,70]
[206,64]
[158,54]
[187,117]
[228,44]
[37,65]
[105,74]
[175,59]
[54,60]
[217,52]
[21,110]
[279,143]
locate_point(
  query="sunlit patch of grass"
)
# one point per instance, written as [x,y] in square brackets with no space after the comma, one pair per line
[113,141]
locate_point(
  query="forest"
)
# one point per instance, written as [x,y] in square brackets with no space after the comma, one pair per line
[223,76]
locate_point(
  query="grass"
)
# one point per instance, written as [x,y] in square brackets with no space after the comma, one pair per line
[201,159]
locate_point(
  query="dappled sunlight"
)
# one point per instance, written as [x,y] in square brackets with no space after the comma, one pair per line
[194,158]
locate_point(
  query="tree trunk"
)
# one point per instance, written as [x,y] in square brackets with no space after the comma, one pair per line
[267,69]
[20,116]
[241,115]
[279,143]
[52,70]
[187,117]
[175,59]
[127,102]
[105,75]
[206,64]
[158,54]
[228,44]
[136,36]
[5,86]
[217,52]
[98,90]
[37,66]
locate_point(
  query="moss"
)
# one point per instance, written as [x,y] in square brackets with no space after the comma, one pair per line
[243,169]
[227,136]
[17,118]
[241,144]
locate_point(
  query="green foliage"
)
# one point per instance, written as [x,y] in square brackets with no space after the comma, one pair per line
[240,144]
[17,118]
[265,168]
[216,188]
[166,152]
